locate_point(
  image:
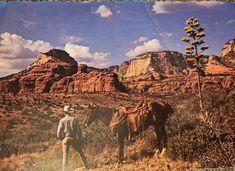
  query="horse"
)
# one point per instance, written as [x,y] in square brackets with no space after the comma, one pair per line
[156,116]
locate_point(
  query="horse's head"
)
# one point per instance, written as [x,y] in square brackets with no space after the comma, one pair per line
[90,117]
[103,114]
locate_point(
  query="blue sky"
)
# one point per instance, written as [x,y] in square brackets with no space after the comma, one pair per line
[105,34]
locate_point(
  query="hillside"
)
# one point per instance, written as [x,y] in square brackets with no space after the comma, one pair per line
[32,101]
[29,122]
[155,72]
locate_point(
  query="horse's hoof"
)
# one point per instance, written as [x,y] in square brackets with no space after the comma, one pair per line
[122,162]
[163,152]
[157,153]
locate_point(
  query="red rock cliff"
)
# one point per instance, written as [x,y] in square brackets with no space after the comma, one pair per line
[40,75]
[89,81]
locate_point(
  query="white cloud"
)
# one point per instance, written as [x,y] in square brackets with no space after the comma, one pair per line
[71,39]
[16,53]
[140,39]
[231,21]
[10,66]
[151,45]
[83,55]
[171,7]
[27,23]
[103,11]
[167,34]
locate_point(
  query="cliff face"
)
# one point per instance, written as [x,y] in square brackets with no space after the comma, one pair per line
[228,47]
[155,72]
[188,84]
[167,72]
[88,81]
[214,66]
[228,54]
[56,71]
[154,64]
[40,75]
[138,67]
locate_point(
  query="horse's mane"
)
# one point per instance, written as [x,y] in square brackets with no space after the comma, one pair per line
[101,109]
[162,106]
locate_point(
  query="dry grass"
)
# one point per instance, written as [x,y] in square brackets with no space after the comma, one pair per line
[35,147]
[136,159]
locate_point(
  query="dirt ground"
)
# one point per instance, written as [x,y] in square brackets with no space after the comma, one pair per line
[28,133]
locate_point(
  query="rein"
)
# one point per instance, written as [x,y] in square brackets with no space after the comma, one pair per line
[117,122]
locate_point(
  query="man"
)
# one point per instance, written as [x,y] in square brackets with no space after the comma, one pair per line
[70,134]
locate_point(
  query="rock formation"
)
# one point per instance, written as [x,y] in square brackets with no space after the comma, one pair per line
[56,71]
[40,75]
[153,66]
[214,66]
[167,72]
[228,54]
[155,72]
[88,81]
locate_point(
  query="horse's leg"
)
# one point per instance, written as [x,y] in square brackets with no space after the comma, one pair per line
[164,139]
[159,138]
[121,146]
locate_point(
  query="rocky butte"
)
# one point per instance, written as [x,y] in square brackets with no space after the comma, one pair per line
[167,72]
[154,72]
[153,66]
[56,71]
[227,54]
[89,79]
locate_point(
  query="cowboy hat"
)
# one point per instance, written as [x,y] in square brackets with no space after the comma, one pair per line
[68,109]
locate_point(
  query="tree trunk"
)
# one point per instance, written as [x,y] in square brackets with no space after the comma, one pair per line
[199,91]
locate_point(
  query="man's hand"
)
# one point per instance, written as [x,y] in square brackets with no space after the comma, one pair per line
[61,137]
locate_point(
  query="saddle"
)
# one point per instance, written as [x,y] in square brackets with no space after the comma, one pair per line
[131,117]
[136,117]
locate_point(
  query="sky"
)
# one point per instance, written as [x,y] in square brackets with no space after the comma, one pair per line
[103,34]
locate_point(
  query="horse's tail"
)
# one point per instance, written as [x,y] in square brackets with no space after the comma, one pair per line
[163,107]
[169,109]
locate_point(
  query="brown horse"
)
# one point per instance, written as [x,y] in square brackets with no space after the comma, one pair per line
[156,116]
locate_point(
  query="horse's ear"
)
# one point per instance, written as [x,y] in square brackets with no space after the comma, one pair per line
[92,104]
[170,110]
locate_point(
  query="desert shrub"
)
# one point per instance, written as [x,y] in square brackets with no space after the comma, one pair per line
[210,142]
[190,139]
[97,136]
[36,139]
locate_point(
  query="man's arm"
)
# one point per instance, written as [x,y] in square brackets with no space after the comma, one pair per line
[60,130]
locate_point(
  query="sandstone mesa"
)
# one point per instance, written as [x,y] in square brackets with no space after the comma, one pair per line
[153,72]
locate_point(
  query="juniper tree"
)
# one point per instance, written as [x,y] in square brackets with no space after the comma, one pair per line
[194,52]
